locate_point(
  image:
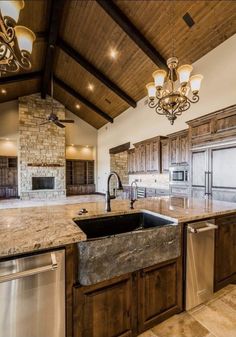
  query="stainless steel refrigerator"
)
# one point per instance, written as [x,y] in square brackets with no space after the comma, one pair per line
[213,172]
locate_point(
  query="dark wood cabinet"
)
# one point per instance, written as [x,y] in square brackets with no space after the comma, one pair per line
[80,177]
[179,148]
[160,293]
[225,251]
[129,304]
[140,158]
[147,156]
[164,155]
[106,309]
[216,126]
[8,177]
[131,161]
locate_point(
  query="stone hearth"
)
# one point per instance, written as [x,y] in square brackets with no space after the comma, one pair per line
[41,149]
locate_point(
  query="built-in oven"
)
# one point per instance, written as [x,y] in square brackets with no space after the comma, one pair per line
[179,174]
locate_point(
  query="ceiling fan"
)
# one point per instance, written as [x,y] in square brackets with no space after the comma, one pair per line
[53,118]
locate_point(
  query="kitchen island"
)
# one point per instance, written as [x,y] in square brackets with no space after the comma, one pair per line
[123,303]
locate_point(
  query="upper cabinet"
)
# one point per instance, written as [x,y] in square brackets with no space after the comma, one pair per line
[179,147]
[146,156]
[164,155]
[215,126]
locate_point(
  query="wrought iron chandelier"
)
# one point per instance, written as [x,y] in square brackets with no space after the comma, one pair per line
[169,94]
[16,42]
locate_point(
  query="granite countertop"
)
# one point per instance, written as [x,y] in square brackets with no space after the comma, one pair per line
[24,230]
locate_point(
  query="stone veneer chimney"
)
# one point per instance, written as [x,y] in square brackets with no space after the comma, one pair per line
[41,149]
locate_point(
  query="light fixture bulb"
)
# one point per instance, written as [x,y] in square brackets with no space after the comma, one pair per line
[25,38]
[151,90]
[159,78]
[113,53]
[91,87]
[11,8]
[184,72]
[77,106]
[195,83]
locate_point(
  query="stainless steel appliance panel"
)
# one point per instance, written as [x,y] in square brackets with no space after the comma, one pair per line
[32,296]
[199,263]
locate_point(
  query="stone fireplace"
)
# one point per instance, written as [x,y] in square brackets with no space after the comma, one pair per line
[41,150]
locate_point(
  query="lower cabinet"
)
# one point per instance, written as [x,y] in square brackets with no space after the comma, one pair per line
[225,251]
[130,304]
[106,309]
[160,294]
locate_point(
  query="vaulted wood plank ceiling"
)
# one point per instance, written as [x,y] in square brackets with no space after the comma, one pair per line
[91,33]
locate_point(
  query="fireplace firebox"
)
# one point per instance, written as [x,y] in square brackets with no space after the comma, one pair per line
[43,183]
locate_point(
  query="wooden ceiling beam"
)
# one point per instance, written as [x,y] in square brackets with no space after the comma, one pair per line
[20,77]
[128,27]
[54,24]
[82,99]
[95,72]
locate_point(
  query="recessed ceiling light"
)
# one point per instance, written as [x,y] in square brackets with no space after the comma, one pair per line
[77,106]
[113,53]
[72,144]
[91,87]
[87,145]
[3,91]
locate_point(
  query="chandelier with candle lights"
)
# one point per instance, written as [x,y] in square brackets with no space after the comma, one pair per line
[16,42]
[173,92]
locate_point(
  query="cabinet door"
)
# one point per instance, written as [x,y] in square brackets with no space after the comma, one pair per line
[183,149]
[164,156]
[106,309]
[173,151]
[160,293]
[225,251]
[140,155]
[155,156]
[148,157]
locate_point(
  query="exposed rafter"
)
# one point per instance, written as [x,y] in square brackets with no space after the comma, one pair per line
[55,18]
[20,77]
[95,72]
[82,99]
[121,19]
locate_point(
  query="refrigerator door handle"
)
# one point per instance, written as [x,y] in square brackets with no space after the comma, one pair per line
[210,182]
[206,183]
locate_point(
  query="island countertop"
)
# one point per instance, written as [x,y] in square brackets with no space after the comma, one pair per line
[24,230]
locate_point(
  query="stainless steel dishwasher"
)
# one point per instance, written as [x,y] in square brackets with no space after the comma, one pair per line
[200,262]
[32,296]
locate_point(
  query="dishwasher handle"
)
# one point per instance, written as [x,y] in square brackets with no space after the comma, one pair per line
[209,226]
[30,272]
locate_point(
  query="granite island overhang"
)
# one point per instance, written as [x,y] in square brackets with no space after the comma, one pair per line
[26,230]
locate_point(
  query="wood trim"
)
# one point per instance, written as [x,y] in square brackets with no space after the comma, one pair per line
[121,19]
[20,77]
[150,140]
[178,133]
[83,100]
[120,148]
[56,10]
[95,72]
[71,267]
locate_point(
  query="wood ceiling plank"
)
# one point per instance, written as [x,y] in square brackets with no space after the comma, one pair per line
[84,112]
[82,99]
[95,72]
[77,77]
[15,90]
[130,29]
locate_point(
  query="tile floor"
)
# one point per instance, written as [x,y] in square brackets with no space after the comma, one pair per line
[216,318]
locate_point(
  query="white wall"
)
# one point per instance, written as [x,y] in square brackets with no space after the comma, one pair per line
[218,91]
[9,123]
